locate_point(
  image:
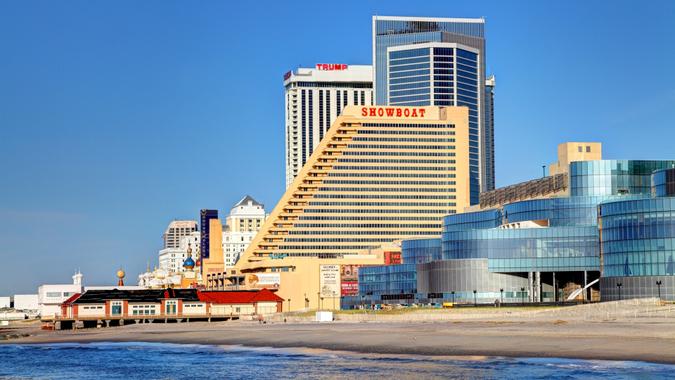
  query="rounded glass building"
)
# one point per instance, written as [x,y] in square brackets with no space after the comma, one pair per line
[609,235]
[544,249]
[637,243]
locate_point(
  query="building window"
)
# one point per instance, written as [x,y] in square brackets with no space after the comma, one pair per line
[143,309]
[588,149]
[339,103]
[580,149]
[321,104]
[116,307]
[171,307]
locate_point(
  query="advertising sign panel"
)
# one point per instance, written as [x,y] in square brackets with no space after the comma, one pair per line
[392,258]
[329,280]
[349,280]
[263,280]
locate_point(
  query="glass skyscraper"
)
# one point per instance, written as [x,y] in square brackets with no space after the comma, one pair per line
[437,61]
[442,74]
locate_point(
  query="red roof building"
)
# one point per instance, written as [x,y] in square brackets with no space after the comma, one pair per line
[240,296]
[66,306]
[243,301]
[169,303]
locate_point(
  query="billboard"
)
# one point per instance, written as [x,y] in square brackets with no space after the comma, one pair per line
[204,218]
[263,280]
[349,280]
[329,280]
[392,258]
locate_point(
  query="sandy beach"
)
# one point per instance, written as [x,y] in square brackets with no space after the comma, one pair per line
[640,332]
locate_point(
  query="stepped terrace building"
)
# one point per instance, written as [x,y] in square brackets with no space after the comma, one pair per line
[380,174]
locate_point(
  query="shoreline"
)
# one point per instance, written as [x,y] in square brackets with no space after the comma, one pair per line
[650,342]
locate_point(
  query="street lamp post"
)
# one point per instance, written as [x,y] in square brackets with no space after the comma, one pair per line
[474,298]
[501,296]
[619,285]
[658,284]
[321,303]
[289,305]
[453,296]
[363,298]
[318,300]
[522,296]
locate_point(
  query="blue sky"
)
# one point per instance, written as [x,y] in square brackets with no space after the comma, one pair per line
[117,117]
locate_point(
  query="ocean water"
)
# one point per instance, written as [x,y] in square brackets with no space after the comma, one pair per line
[178,361]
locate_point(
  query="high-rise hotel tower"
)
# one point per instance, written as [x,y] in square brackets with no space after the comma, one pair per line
[380,174]
[314,99]
[439,61]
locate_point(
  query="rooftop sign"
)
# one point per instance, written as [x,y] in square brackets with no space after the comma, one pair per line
[401,112]
[331,66]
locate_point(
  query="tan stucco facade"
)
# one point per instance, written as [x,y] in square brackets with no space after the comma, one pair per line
[215,263]
[575,151]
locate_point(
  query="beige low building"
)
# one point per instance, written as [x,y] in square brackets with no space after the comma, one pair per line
[556,184]
[380,174]
[575,151]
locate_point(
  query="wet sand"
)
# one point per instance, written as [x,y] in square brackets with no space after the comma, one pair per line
[643,340]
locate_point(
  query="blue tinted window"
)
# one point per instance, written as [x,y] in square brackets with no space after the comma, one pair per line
[408,73]
[393,69]
[466,54]
[466,74]
[443,51]
[409,60]
[466,62]
[409,85]
[443,90]
[409,79]
[408,53]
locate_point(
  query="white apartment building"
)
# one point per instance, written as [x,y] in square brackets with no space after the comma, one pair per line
[242,224]
[50,297]
[26,302]
[171,259]
[176,230]
[314,98]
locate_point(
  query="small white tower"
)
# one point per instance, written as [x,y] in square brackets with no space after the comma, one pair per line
[77,278]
